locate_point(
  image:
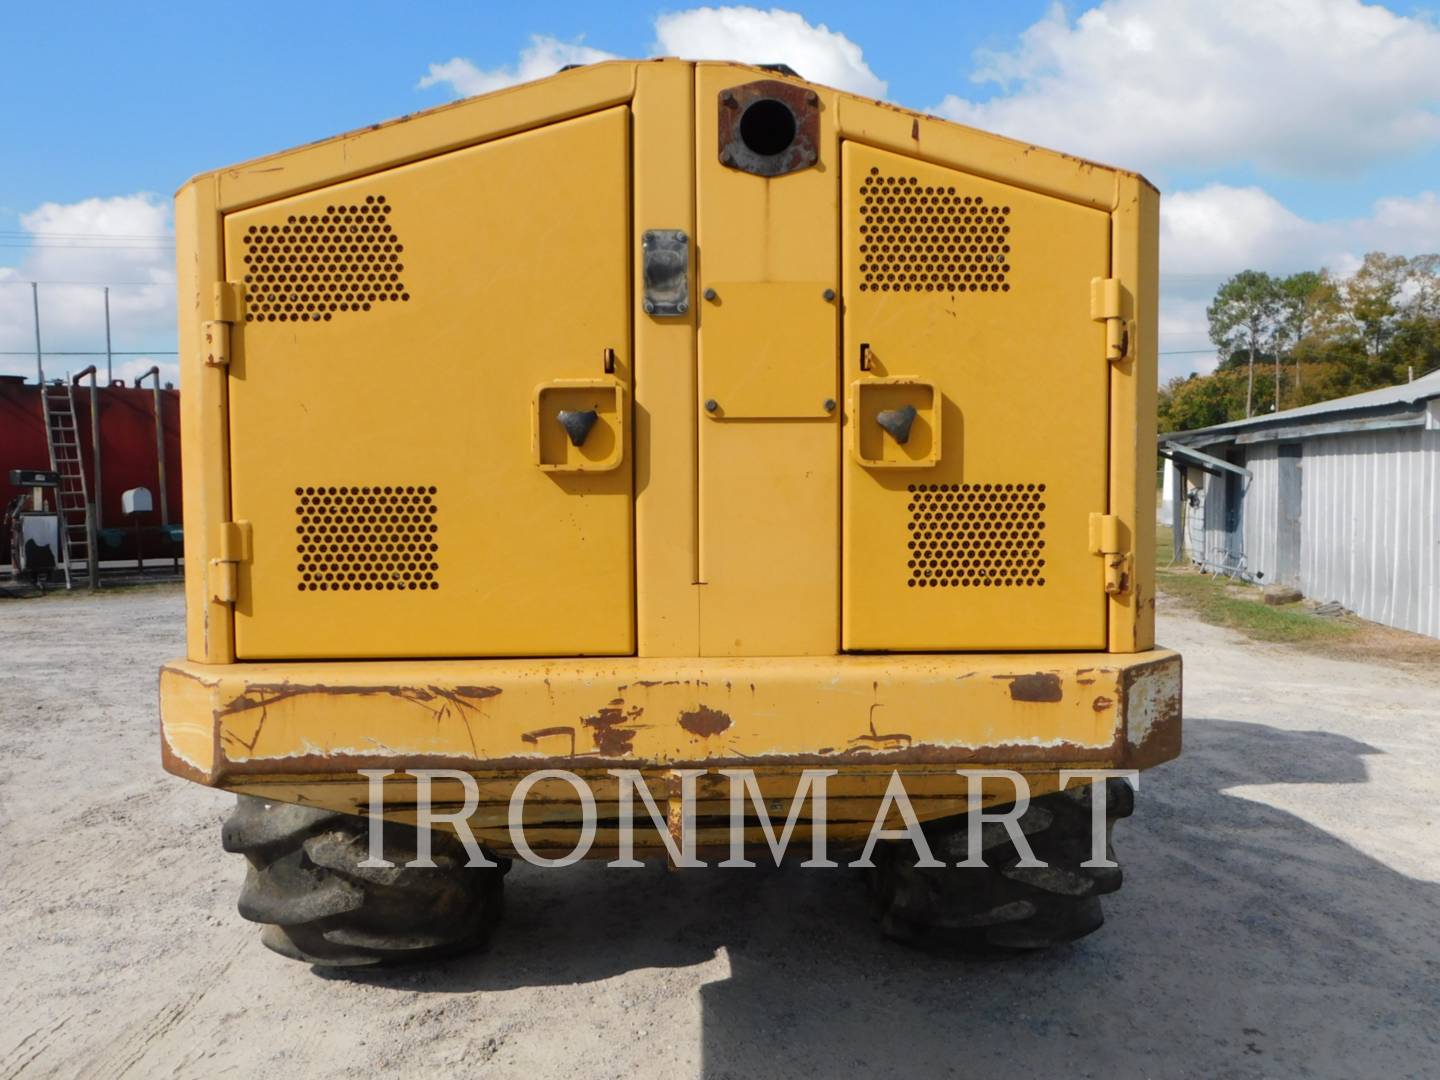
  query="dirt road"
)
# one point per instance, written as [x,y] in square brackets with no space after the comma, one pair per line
[1281,914]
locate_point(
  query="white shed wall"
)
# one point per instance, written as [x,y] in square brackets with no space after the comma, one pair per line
[1369,520]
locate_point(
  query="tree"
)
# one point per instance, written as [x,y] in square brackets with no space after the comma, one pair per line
[1305,299]
[1372,298]
[1244,317]
[1337,335]
[1199,401]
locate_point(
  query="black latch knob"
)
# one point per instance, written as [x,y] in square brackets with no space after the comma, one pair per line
[578,424]
[896,421]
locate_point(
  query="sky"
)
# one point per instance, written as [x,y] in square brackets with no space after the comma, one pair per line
[1284,134]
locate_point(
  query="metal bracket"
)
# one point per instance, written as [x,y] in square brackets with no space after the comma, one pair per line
[665,259]
[1107,541]
[227,307]
[229,302]
[233,544]
[1108,300]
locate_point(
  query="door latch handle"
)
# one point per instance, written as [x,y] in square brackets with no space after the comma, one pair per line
[577,424]
[897,422]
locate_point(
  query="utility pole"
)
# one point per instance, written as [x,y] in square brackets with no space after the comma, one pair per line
[39,363]
[109,366]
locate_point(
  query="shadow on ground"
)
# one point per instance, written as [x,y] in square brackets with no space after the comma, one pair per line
[1245,943]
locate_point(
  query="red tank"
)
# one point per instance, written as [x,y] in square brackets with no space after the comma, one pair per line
[127,458]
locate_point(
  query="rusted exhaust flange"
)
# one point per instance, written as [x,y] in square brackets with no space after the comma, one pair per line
[769,127]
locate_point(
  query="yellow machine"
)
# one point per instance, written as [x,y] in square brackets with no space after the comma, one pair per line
[663,416]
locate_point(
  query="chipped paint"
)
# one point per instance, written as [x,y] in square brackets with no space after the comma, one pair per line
[283,720]
[608,726]
[1042,686]
[1153,712]
[705,721]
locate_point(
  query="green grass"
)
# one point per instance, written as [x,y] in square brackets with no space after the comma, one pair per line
[1221,602]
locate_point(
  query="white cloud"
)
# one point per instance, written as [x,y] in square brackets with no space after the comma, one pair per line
[124,241]
[1286,85]
[746,34]
[543,56]
[752,36]
[1215,231]
[1221,229]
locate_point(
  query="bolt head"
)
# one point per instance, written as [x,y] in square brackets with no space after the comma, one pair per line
[829,404]
[726,157]
[649,307]
[811,98]
[682,307]
[727,98]
[711,405]
[710,294]
[829,294]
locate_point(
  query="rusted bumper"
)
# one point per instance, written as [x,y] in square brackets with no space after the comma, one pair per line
[230,725]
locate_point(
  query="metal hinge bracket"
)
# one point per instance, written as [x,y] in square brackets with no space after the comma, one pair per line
[233,545]
[1107,540]
[1107,304]
[228,304]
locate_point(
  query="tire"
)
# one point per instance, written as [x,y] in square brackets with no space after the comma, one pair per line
[320,906]
[1001,907]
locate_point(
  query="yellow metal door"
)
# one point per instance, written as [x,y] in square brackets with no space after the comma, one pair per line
[976,412]
[429,406]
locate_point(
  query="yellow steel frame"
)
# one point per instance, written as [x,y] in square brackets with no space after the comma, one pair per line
[713,576]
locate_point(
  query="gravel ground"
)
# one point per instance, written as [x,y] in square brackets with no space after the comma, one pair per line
[1281,915]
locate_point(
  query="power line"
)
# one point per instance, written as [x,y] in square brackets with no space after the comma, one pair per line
[112,352]
[112,284]
[87,247]
[22,233]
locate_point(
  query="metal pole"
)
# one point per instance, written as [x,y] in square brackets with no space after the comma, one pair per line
[1177,516]
[39,364]
[109,369]
[154,372]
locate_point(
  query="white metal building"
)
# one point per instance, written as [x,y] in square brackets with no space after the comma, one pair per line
[1339,499]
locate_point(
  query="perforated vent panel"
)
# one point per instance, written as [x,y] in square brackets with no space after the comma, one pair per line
[310,267]
[919,238]
[976,535]
[366,539]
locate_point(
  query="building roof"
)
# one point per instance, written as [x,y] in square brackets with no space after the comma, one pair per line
[1356,412]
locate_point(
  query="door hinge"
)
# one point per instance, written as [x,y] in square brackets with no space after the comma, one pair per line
[1108,301]
[1107,539]
[233,547]
[226,309]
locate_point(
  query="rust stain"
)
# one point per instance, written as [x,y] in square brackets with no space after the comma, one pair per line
[1042,686]
[476,693]
[1119,563]
[340,767]
[534,737]
[610,737]
[1163,742]
[263,695]
[1102,703]
[898,740]
[705,721]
